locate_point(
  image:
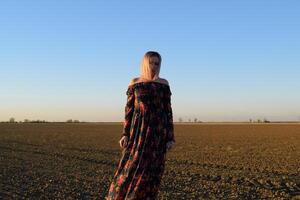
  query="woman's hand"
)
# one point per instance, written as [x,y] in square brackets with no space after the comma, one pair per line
[170,145]
[123,142]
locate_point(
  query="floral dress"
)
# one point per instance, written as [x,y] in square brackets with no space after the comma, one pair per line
[149,125]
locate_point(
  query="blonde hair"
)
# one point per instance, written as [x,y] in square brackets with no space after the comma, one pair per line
[145,69]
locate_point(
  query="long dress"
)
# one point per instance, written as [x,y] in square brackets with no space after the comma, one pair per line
[149,125]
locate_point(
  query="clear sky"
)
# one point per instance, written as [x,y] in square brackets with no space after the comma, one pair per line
[225,60]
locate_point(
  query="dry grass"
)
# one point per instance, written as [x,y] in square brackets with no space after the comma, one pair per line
[215,161]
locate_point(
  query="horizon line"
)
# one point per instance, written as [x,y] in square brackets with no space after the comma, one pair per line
[202,122]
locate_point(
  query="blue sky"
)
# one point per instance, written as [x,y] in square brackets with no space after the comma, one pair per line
[225,60]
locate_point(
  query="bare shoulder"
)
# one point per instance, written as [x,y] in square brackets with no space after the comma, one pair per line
[164,81]
[133,81]
[136,80]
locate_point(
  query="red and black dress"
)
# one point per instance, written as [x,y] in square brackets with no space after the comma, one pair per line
[149,126]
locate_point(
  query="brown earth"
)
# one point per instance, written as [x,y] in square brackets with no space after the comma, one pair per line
[209,161]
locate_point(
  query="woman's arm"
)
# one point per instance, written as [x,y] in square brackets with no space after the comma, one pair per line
[129,109]
[170,125]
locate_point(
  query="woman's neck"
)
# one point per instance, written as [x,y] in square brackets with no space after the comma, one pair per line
[149,79]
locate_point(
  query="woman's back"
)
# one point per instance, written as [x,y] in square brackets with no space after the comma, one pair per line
[138,80]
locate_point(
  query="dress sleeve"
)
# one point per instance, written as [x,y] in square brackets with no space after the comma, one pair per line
[170,125]
[129,109]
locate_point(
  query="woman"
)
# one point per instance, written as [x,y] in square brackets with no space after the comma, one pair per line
[147,134]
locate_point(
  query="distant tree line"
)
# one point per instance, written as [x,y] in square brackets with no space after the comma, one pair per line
[180,119]
[259,121]
[12,120]
[72,121]
[195,120]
